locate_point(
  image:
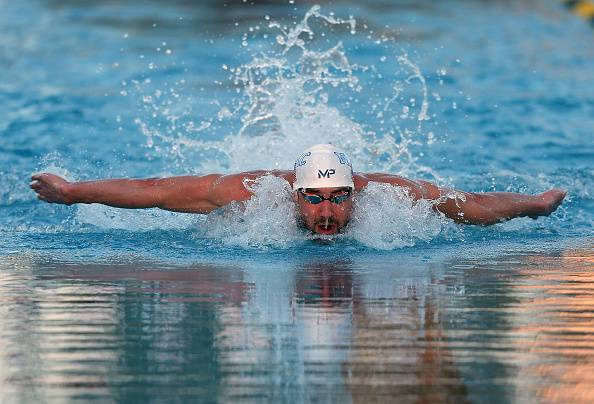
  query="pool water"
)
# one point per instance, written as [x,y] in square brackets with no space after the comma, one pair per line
[122,305]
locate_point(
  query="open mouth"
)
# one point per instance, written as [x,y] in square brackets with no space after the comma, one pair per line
[326,228]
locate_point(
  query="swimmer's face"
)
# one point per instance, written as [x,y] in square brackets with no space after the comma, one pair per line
[325,217]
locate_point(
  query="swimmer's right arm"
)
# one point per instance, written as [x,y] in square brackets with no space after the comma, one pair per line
[190,194]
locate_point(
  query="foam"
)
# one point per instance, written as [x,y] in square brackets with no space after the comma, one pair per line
[386,217]
[286,102]
[268,219]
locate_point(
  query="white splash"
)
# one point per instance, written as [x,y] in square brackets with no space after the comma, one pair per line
[386,217]
[268,219]
[289,100]
[290,97]
[423,113]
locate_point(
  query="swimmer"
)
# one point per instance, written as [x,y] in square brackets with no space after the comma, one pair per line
[323,184]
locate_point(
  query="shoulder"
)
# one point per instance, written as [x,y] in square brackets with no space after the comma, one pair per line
[362,179]
[255,174]
[235,183]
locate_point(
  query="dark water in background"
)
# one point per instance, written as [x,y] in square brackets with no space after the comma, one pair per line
[142,306]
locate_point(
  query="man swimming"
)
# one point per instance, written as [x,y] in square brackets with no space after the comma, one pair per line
[323,186]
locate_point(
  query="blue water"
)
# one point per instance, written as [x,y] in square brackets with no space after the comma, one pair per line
[104,90]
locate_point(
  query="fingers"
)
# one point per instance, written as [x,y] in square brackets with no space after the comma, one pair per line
[37,184]
[558,193]
[553,199]
[44,177]
[563,195]
[38,177]
[47,186]
[558,196]
[36,181]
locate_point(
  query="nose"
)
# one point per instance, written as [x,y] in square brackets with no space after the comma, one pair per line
[326,209]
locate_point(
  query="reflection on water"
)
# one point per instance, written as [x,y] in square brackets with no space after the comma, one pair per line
[513,327]
[559,323]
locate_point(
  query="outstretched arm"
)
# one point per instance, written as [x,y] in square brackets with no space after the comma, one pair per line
[492,207]
[476,208]
[190,194]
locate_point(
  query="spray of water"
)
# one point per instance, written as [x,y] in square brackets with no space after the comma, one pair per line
[268,219]
[386,217]
[289,98]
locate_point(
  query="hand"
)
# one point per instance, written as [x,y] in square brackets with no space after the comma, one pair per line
[50,188]
[549,201]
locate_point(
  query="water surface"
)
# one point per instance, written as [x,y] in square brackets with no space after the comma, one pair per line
[510,327]
[121,305]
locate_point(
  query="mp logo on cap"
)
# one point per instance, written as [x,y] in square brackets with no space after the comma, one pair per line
[327,173]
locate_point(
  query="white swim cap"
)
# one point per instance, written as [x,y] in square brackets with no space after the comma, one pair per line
[323,166]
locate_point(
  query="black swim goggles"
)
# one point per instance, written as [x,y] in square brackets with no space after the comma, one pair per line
[314,199]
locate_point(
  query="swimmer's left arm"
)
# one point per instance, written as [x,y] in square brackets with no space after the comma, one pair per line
[472,208]
[490,207]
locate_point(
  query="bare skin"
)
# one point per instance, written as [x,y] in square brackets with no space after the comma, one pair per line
[203,194]
[325,217]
